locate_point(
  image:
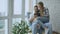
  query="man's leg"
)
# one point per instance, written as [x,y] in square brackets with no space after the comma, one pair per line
[41,26]
[40,31]
[34,28]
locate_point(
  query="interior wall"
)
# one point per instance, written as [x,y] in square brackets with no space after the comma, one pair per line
[54,11]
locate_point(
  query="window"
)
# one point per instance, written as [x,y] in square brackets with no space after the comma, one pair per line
[3,7]
[3,26]
[17,7]
[16,20]
[8,18]
[34,3]
[26,6]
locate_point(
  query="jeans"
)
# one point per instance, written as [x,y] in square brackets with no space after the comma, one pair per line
[34,28]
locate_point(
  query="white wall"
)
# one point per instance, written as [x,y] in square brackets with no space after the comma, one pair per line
[54,10]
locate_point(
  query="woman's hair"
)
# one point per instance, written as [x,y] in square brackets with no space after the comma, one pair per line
[41,3]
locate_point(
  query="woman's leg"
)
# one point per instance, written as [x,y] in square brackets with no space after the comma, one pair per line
[45,20]
[49,28]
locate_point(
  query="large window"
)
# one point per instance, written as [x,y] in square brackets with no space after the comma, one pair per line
[11,12]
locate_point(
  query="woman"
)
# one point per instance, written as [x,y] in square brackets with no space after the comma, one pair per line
[44,17]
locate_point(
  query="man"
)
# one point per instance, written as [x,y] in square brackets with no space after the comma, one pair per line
[35,10]
[34,25]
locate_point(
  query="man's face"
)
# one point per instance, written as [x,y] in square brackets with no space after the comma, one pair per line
[35,15]
[36,8]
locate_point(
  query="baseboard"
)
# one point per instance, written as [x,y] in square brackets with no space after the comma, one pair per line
[54,32]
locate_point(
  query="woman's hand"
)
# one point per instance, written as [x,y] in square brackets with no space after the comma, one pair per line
[41,13]
[38,26]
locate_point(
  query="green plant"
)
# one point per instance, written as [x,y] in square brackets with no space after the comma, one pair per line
[20,28]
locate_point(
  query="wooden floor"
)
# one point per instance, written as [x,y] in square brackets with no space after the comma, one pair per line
[55,32]
[43,33]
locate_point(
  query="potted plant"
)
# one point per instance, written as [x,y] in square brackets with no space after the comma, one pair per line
[20,28]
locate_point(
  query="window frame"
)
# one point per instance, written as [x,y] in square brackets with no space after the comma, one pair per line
[10,15]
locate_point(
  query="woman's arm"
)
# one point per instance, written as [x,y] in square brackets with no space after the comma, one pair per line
[46,12]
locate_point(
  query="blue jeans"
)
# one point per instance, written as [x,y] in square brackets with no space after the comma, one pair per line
[34,28]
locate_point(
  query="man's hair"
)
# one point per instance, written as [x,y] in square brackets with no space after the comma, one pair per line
[41,3]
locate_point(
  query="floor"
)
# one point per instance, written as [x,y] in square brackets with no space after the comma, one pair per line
[55,32]
[43,33]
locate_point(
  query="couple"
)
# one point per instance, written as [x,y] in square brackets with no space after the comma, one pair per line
[39,21]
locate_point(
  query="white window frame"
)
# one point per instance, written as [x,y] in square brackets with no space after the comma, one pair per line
[10,15]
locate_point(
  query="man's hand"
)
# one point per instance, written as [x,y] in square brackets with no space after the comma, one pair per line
[31,20]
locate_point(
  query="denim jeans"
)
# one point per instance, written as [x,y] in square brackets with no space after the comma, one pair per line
[39,20]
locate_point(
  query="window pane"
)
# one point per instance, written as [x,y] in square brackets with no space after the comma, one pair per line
[3,27]
[26,19]
[17,7]
[26,6]
[16,20]
[3,7]
[2,24]
[34,3]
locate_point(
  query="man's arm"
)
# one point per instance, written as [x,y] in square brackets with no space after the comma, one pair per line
[31,20]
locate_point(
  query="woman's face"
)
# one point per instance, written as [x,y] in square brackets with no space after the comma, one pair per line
[39,7]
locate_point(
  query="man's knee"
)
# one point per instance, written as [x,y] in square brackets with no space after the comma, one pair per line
[34,24]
